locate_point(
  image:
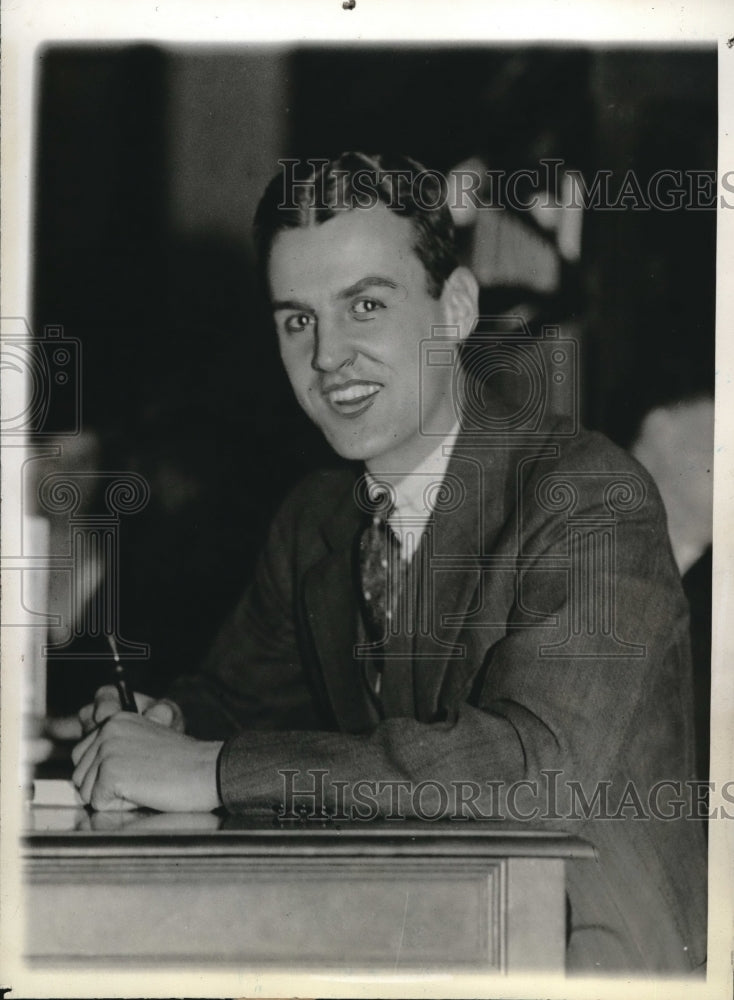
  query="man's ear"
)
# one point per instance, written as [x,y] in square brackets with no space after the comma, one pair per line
[460,299]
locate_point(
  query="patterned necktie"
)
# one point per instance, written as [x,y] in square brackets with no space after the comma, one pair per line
[379,568]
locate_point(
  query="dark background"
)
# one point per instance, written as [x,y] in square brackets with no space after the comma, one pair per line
[150,164]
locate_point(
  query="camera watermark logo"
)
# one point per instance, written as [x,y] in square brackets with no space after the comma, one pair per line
[92,558]
[591,503]
[62,554]
[41,381]
[503,380]
[561,528]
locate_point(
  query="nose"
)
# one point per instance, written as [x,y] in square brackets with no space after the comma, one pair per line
[332,349]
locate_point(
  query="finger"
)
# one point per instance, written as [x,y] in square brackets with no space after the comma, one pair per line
[106,703]
[160,712]
[85,772]
[81,748]
[106,691]
[108,728]
[86,779]
[65,728]
[110,822]
[104,801]
[103,795]
[86,718]
[104,710]
[167,713]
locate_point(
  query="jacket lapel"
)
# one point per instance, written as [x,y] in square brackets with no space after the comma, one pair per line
[331,611]
[456,536]
[483,491]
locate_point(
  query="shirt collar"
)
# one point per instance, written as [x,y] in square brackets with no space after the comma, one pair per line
[414,496]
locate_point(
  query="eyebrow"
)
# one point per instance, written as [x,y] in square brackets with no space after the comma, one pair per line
[371,281]
[294,305]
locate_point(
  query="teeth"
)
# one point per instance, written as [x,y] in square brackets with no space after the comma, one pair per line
[352,393]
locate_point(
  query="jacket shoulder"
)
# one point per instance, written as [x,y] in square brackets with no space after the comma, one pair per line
[317,493]
[318,501]
[592,454]
[593,477]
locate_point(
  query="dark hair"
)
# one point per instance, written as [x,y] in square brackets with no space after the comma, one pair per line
[296,198]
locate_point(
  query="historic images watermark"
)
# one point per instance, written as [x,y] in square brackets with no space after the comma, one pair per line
[550,184]
[312,795]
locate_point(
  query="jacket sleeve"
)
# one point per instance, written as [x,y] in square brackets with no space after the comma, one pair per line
[524,714]
[252,678]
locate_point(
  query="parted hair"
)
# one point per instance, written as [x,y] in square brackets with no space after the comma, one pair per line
[311,192]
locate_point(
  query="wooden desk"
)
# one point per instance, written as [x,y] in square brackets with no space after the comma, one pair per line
[176,889]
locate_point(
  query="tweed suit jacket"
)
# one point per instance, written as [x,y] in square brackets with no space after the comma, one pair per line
[555,644]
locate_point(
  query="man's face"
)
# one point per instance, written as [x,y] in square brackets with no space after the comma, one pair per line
[351,306]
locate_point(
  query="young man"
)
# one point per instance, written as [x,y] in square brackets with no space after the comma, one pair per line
[490,606]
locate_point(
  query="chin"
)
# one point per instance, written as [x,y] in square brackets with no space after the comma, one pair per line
[352,451]
[355,449]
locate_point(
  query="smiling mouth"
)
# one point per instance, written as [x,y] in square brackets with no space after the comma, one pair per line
[353,398]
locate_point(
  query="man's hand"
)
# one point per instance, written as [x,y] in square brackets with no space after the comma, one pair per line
[148,822]
[107,703]
[131,761]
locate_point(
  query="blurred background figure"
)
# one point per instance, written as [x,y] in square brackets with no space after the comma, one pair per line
[675,442]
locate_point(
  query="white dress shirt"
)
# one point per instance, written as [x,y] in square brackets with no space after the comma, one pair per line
[416,494]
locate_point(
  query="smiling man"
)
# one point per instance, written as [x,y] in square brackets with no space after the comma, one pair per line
[352,304]
[481,620]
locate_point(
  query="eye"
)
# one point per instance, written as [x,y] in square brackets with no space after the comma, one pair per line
[364,308]
[297,322]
